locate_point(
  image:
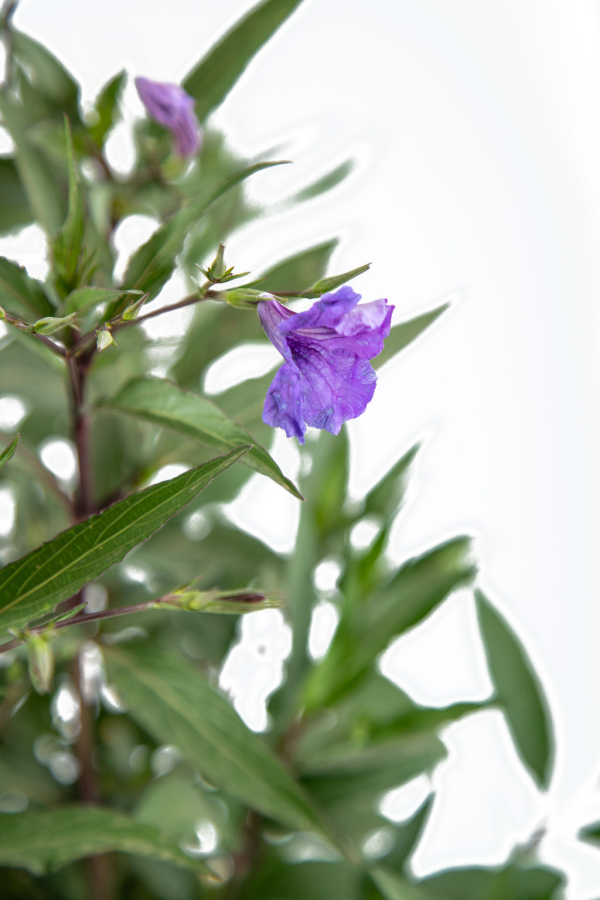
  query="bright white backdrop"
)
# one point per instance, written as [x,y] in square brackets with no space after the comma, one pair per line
[476,128]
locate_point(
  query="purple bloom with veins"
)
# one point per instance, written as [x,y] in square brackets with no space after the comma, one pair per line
[326,378]
[169,105]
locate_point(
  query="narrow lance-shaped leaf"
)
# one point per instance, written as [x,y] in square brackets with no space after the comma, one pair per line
[14,209]
[43,191]
[385,498]
[68,244]
[21,294]
[8,451]
[44,841]
[106,108]
[404,334]
[48,75]
[214,76]
[418,587]
[325,285]
[33,585]
[326,183]
[152,264]
[518,690]
[168,696]
[195,417]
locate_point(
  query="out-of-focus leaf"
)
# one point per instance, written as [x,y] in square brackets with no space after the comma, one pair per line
[394,887]
[349,786]
[517,881]
[33,585]
[8,451]
[106,109]
[404,334]
[298,272]
[40,183]
[47,74]
[14,209]
[168,697]
[20,294]
[153,263]
[374,712]
[44,841]
[295,878]
[385,498]
[518,691]
[69,241]
[214,76]
[32,345]
[326,183]
[195,417]
[86,297]
[415,590]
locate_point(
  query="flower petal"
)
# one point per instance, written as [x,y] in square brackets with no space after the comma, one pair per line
[335,386]
[170,106]
[283,403]
[326,312]
[272,315]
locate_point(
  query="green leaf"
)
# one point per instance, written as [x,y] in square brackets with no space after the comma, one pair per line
[33,585]
[8,451]
[153,263]
[195,417]
[386,497]
[106,109]
[39,181]
[167,696]
[519,880]
[518,690]
[325,285]
[21,294]
[44,841]
[394,887]
[326,183]
[14,210]
[69,242]
[417,588]
[86,297]
[47,74]
[214,76]
[404,334]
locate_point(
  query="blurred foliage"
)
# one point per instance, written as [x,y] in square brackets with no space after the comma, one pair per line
[136,778]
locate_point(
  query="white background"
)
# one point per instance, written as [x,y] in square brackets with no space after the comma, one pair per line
[476,128]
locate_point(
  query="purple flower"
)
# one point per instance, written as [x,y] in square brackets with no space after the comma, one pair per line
[169,105]
[326,378]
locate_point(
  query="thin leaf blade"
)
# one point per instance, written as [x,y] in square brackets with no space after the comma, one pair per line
[195,417]
[33,585]
[214,76]
[519,690]
[44,841]
[168,697]
[8,452]
[20,293]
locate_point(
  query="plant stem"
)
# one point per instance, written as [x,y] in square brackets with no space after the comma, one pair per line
[98,867]
[77,373]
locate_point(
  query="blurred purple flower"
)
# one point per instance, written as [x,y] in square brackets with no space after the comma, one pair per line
[326,378]
[169,105]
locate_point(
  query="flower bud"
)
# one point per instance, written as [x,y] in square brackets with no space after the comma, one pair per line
[50,324]
[40,659]
[104,339]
